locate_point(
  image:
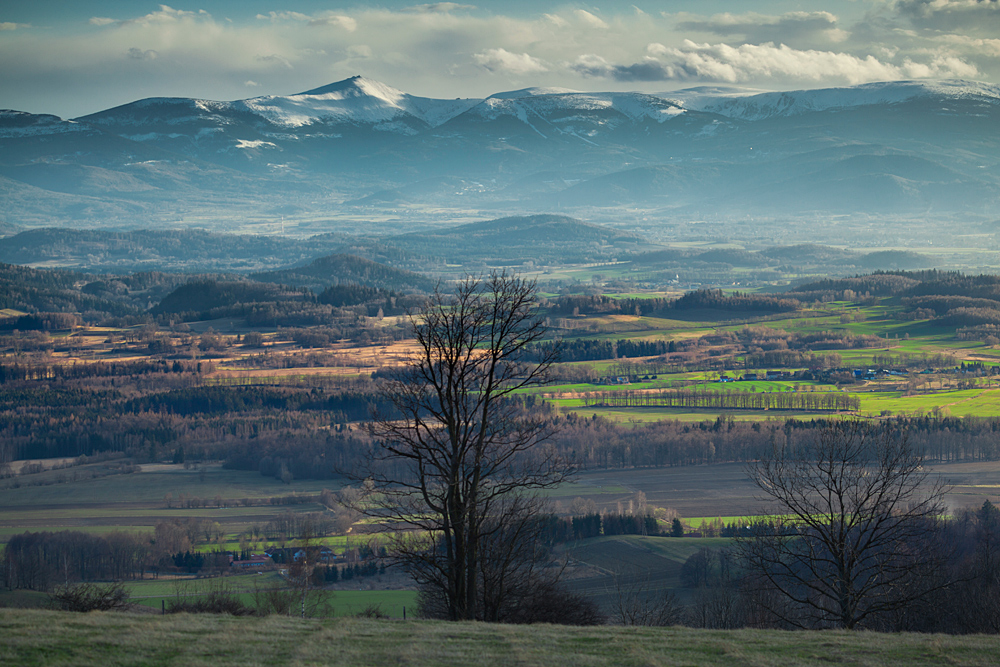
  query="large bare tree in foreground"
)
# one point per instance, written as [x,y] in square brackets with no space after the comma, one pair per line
[461,455]
[855,541]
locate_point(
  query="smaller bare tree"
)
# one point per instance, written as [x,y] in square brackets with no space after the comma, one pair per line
[635,601]
[854,537]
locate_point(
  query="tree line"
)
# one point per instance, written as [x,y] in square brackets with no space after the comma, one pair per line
[833,401]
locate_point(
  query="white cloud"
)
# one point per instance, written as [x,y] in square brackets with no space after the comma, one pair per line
[165,16]
[502,60]
[556,20]
[589,19]
[972,45]
[359,51]
[763,62]
[335,20]
[439,8]
[250,83]
[274,17]
[7,25]
[320,19]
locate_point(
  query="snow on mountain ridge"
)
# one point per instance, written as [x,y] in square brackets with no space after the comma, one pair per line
[747,105]
[22,124]
[531,92]
[364,102]
[355,100]
[634,106]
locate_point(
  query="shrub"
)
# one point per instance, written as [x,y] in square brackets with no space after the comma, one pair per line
[91,597]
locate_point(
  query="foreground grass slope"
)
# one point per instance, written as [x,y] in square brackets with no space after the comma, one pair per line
[57,638]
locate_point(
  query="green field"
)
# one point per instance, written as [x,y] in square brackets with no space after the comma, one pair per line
[336,602]
[57,639]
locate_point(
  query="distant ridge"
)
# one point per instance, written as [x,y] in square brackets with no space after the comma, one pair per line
[523,238]
[339,269]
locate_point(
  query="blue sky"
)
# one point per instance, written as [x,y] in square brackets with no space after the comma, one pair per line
[73,58]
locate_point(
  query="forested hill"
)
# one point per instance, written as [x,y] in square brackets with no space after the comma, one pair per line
[39,290]
[341,269]
[199,296]
[524,238]
[970,303]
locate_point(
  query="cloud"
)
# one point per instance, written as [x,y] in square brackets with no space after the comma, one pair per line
[275,59]
[502,60]
[7,25]
[752,62]
[359,51]
[439,8]
[321,19]
[989,48]
[138,54]
[165,16]
[649,69]
[789,28]
[275,17]
[335,20]
[950,15]
[250,83]
[589,19]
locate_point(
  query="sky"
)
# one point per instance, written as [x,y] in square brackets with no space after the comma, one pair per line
[75,58]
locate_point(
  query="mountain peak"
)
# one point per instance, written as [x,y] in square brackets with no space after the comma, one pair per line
[356,86]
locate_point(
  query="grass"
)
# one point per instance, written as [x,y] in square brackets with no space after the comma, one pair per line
[55,639]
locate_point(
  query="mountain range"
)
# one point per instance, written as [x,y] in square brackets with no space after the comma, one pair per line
[363,149]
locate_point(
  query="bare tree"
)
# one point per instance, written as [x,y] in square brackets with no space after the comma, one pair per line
[517,579]
[635,600]
[854,537]
[460,444]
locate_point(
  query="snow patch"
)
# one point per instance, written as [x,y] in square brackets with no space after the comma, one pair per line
[254,143]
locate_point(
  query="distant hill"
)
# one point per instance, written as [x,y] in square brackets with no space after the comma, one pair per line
[167,249]
[39,290]
[199,296]
[347,269]
[524,238]
[804,256]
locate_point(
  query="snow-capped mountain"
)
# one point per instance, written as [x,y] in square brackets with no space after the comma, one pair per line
[908,148]
[355,102]
[749,104]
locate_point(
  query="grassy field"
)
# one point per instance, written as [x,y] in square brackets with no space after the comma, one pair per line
[57,639]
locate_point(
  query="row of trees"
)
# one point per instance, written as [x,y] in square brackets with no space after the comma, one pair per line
[725,400]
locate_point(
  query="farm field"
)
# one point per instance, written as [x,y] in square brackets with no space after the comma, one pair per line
[49,638]
[55,500]
[695,492]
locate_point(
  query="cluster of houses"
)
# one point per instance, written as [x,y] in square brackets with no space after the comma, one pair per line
[823,374]
[273,555]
